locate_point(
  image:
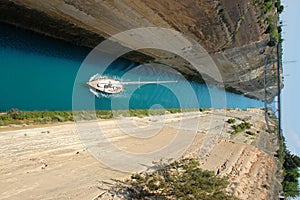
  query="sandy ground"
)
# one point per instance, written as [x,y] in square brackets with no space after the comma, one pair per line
[49,163]
[64,161]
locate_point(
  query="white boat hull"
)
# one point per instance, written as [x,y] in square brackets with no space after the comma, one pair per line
[106,85]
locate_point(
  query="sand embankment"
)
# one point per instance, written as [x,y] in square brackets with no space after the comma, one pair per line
[53,163]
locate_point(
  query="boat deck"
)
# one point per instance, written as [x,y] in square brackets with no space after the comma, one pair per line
[105,85]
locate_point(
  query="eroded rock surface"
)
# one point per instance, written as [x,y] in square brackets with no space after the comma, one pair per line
[233,32]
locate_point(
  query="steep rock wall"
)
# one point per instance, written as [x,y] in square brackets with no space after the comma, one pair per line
[231,31]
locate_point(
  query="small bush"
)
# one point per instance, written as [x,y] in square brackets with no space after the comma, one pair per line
[250,133]
[279,7]
[15,114]
[268,6]
[231,121]
[241,127]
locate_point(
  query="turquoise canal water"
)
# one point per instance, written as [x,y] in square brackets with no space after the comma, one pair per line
[38,73]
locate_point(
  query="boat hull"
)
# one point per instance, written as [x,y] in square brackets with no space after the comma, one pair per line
[106,85]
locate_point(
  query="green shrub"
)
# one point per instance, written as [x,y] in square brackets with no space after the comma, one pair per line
[231,121]
[268,6]
[241,127]
[15,114]
[279,7]
[273,31]
[291,164]
[250,133]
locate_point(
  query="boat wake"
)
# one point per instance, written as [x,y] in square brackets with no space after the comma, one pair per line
[94,92]
[102,95]
[94,77]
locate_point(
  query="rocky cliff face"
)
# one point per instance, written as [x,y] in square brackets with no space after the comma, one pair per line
[233,32]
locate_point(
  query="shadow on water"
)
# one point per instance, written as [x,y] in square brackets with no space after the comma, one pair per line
[22,40]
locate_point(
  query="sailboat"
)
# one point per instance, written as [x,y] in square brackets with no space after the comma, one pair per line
[114,86]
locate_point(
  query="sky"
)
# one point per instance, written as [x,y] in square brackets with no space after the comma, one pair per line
[291,72]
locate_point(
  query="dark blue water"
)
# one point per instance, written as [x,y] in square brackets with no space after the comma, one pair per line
[38,73]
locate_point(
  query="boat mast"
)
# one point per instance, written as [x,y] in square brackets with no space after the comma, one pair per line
[147,82]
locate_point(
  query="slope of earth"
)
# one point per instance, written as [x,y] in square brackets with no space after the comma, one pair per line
[53,163]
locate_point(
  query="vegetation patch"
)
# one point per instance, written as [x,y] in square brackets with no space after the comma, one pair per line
[231,121]
[18,117]
[241,127]
[250,133]
[279,6]
[182,179]
[269,18]
[291,164]
[273,31]
[268,6]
